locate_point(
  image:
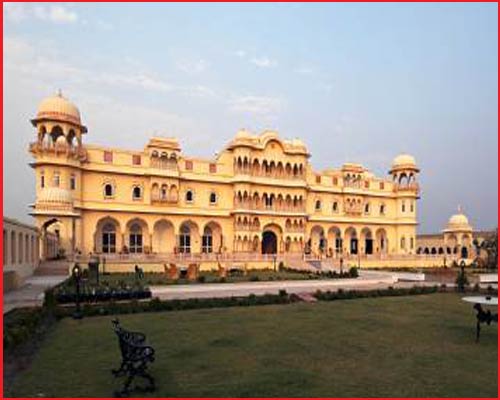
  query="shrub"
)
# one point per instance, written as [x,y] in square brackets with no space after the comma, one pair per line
[201,279]
[353,272]
[254,278]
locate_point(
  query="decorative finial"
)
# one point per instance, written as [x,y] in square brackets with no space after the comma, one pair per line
[459,209]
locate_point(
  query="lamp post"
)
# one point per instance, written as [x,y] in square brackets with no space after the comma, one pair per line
[77,275]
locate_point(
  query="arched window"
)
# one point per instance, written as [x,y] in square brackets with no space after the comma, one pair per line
[403,207]
[20,251]
[367,208]
[335,207]
[207,241]
[136,193]
[109,238]
[108,190]
[213,198]
[403,243]
[42,179]
[72,182]
[317,205]
[185,239]
[189,196]
[412,243]
[164,192]
[382,209]
[135,239]
[412,207]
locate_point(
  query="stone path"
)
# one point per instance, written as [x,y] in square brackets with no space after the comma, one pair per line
[31,293]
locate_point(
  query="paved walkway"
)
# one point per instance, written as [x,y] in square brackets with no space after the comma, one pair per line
[367,280]
[31,293]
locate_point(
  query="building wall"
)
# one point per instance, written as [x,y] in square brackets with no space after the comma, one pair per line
[21,251]
[259,183]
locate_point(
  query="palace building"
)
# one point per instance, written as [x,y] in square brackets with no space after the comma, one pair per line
[258,199]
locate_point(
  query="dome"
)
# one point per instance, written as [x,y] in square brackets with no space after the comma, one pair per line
[55,195]
[58,108]
[243,134]
[404,161]
[458,221]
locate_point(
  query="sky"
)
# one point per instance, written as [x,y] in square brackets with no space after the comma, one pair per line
[357,82]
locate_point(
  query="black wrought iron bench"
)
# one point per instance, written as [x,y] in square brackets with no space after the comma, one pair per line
[136,356]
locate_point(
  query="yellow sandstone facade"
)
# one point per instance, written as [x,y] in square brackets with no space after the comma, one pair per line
[259,199]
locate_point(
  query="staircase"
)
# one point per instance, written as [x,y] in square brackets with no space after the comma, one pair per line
[53,267]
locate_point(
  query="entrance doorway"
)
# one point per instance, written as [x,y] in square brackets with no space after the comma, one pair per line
[269,243]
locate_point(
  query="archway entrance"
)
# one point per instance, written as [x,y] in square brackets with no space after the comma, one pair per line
[464,252]
[269,243]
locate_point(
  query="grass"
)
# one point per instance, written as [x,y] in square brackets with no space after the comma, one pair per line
[418,346]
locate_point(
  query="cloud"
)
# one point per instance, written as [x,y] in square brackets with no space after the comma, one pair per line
[18,12]
[261,105]
[305,70]
[192,67]
[240,53]
[56,14]
[263,62]
[15,12]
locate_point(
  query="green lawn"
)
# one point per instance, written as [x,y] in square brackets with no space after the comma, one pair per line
[419,346]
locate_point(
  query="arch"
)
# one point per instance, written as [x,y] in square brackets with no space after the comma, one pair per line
[367,240]
[382,243]
[173,194]
[318,239]
[351,240]
[189,237]
[335,238]
[269,243]
[212,239]
[163,236]
[137,234]
[107,236]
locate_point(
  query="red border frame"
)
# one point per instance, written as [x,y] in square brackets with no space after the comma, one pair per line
[203,1]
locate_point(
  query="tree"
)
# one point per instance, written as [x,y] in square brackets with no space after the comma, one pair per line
[490,246]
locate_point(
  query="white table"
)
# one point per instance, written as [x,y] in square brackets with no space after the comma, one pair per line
[482,315]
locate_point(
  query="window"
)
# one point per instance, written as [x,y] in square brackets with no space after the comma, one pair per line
[135,239]
[189,165]
[412,242]
[381,185]
[136,159]
[403,207]
[268,201]
[317,205]
[335,207]
[108,156]
[109,239]
[412,207]
[213,168]
[367,184]
[213,198]
[403,244]
[382,209]
[108,190]
[57,179]
[136,193]
[164,192]
[335,181]
[42,179]
[318,179]
[72,182]
[185,239]
[367,208]
[207,241]
[189,196]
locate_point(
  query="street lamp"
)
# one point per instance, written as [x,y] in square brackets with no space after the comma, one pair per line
[77,276]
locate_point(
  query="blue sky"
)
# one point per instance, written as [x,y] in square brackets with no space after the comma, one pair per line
[357,82]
